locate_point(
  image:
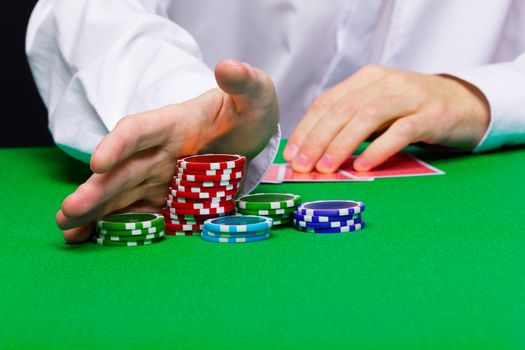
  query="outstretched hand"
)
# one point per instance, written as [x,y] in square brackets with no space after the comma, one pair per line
[399,107]
[134,164]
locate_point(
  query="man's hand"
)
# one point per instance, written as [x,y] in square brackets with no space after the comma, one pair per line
[134,163]
[401,107]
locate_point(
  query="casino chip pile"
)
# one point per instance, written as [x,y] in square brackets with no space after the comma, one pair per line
[130,229]
[329,216]
[277,206]
[237,229]
[204,187]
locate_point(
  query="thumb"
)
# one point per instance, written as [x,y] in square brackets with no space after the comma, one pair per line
[247,85]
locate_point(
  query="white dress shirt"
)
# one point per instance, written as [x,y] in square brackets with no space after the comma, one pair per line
[96,61]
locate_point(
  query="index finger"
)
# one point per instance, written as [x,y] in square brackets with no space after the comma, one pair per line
[364,77]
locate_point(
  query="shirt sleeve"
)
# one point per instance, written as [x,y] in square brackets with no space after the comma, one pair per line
[96,61]
[504,87]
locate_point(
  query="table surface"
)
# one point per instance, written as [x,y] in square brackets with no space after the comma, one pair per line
[441,264]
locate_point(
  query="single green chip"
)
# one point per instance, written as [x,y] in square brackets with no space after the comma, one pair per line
[281,222]
[138,232]
[132,238]
[268,201]
[102,241]
[130,221]
[266,212]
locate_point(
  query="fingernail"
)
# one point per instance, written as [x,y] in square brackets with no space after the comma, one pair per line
[326,162]
[302,161]
[361,164]
[291,150]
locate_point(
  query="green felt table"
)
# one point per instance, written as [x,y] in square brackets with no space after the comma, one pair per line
[441,264]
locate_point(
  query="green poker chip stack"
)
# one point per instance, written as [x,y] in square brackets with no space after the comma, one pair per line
[130,229]
[278,206]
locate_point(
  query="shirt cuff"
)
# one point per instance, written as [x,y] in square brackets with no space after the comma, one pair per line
[503,86]
[260,165]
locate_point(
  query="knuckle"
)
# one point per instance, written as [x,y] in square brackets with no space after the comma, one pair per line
[371,70]
[320,103]
[438,110]
[340,109]
[368,114]
[406,127]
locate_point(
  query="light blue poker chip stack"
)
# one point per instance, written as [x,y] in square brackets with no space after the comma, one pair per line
[237,229]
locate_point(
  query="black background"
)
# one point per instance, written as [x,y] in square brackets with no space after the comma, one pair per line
[25,116]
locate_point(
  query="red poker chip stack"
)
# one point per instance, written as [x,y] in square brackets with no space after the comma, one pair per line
[204,187]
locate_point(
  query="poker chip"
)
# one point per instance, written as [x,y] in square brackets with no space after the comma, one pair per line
[197,218]
[238,223]
[198,205]
[198,200]
[349,228]
[184,227]
[179,182]
[332,224]
[209,172]
[139,232]
[107,242]
[210,178]
[227,208]
[331,208]
[268,201]
[183,222]
[243,239]
[212,162]
[205,189]
[130,221]
[281,222]
[201,195]
[132,238]
[237,234]
[183,233]
[310,218]
[267,212]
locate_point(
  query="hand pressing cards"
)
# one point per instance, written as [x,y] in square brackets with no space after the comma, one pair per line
[399,165]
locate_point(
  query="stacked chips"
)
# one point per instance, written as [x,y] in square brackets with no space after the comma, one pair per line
[277,206]
[237,229]
[130,229]
[330,216]
[203,187]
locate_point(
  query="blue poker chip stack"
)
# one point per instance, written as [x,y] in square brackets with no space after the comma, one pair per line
[237,229]
[329,216]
